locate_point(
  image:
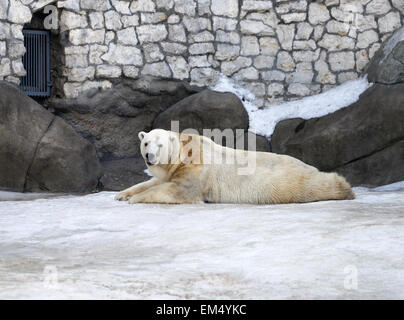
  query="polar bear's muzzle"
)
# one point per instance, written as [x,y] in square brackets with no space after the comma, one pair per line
[150,158]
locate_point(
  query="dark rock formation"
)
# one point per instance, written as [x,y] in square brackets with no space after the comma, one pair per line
[387,65]
[261,143]
[205,110]
[39,151]
[121,174]
[211,110]
[364,141]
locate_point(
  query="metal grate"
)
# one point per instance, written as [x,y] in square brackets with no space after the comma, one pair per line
[36,62]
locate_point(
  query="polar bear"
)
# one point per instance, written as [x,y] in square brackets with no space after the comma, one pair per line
[189,168]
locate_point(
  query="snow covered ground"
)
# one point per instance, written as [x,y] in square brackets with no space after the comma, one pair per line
[94,247]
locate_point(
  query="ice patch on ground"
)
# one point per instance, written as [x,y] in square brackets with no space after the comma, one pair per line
[80,247]
[263,121]
[18,196]
[397,186]
[392,187]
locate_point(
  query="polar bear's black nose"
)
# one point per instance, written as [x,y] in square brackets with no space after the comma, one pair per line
[150,156]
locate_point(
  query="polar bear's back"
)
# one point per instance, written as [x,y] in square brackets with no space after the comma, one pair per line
[275,179]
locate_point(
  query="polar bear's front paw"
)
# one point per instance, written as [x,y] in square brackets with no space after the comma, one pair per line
[122,196]
[134,199]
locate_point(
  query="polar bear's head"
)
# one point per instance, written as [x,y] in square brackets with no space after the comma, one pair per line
[158,146]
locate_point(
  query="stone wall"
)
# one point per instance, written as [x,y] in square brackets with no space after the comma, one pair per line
[281,49]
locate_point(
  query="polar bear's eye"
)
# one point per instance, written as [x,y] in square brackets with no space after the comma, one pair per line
[145,144]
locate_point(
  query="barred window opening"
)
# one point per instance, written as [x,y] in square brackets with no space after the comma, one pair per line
[37,82]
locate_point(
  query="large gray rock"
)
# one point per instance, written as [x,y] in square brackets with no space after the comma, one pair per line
[205,110]
[123,173]
[22,124]
[364,141]
[382,167]
[39,151]
[261,143]
[387,65]
[64,162]
[212,110]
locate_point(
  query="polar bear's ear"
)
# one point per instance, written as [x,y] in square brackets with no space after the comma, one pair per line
[141,135]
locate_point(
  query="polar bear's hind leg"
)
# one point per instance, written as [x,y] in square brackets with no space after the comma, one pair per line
[344,190]
[328,186]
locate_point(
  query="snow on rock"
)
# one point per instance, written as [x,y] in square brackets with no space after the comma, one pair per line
[94,247]
[263,121]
